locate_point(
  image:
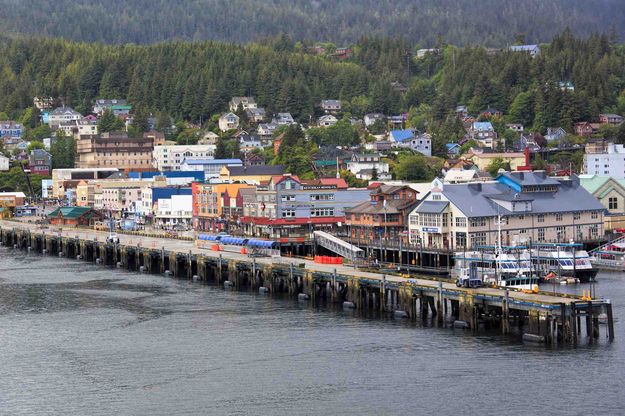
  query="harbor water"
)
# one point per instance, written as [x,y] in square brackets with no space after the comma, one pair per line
[81,339]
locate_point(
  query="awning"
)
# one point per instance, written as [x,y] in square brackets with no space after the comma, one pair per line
[260,243]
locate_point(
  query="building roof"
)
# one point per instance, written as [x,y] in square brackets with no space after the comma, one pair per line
[476,199]
[332,103]
[523,48]
[460,175]
[402,135]
[483,126]
[71,212]
[256,170]
[204,161]
[432,207]
[530,178]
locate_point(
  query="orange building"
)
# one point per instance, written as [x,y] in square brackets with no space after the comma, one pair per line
[209,200]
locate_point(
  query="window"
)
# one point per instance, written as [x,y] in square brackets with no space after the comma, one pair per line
[541,218]
[576,216]
[541,234]
[436,197]
[322,212]
[558,217]
[612,203]
[322,197]
[461,222]
[478,239]
[429,220]
[288,213]
[478,222]
[461,239]
[594,215]
[287,197]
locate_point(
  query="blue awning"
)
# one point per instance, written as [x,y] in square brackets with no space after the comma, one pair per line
[207,237]
[260,243]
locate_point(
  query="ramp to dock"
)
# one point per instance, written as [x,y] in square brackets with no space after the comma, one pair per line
[338,246]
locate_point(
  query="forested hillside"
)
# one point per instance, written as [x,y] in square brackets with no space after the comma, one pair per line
[194,81]
[485,22]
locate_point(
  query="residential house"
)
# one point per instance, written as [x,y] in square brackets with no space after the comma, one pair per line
[250,174]
[210,167]
[4,163]
[327,120]
[255,115]
[453,149]
[265,131]
[379,145]
[532,50]
[483,159]
[62,114]
[555,134]
[527,141]
[284,119]
[491,112]
[243,103]
[396,122]
[421,53]
[40,162]
[331,106]
[342,54]
[516,127]
[421,143]
[566,86]
[253,159]
[249,142]
[371,118]
[10,129]
[369,166]
[43,103]
[117,106]
[614,119]
[484,133]
[531,205]
[462,111]
[228,121]
[171,158]
[584,129]
[383,218]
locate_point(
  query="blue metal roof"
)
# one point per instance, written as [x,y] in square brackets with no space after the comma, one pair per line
[402,135]
[483,126]
[213,161]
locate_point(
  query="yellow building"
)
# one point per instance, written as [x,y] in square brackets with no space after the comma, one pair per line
[483,160]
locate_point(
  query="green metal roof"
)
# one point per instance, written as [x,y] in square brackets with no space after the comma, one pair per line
[71,212]
[593,183]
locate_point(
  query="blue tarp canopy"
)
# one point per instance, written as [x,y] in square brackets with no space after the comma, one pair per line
[233,241]
[260,243]
[207,237]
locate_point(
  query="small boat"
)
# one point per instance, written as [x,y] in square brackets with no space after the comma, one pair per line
[567,260]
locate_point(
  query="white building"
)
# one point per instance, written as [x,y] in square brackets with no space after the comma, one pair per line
[62,114]
[371,118]
[210,167]
[605,160]
[327,121]
[284,119]
[244,103]
[4,163]
[171,157]
[228,121]
[175,210]
[369,166]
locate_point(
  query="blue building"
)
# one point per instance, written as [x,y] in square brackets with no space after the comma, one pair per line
[10,129]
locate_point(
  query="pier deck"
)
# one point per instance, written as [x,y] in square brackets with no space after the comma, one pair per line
[543,316]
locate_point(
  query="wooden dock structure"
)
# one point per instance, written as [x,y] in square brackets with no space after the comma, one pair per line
[552,319]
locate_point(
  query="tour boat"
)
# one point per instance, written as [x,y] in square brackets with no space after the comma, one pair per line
[567,261]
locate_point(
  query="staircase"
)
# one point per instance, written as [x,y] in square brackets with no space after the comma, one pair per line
[338,246]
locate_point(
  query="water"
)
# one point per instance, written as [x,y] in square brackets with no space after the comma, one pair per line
[76,339]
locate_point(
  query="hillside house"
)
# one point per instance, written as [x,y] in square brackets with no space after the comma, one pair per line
[228,121]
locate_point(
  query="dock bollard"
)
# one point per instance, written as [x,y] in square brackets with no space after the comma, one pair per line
[167,273]
[141,269]
[195,277]
[349,305]
[303,296]
[98,261]
[119,264]
[228,284]
[263,289]
[400,314]
[79,257]
[60,254]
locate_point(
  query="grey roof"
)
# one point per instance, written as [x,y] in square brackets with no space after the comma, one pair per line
[433,207]
[531,178]
[510,196]
[256,170]
[475,199]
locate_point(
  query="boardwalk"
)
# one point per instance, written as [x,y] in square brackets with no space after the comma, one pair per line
[548,316]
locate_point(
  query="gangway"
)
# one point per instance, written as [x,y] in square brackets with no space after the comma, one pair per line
[338,246]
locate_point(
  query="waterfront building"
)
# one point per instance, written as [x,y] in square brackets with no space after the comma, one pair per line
[532,206]
[610,193]
[175,211]
[289,209]
[76,174]
[213,205]
[383,216]
[74,216]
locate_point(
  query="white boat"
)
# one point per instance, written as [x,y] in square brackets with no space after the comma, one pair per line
[566,260]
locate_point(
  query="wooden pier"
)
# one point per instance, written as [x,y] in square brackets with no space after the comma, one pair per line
[537,317]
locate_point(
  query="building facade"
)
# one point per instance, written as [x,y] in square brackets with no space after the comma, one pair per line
[115,150]
[171,158]
[526,206]
[605,159]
